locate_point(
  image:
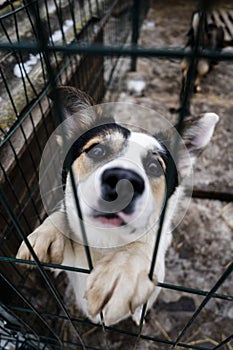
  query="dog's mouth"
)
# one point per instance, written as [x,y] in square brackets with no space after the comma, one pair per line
[110,219]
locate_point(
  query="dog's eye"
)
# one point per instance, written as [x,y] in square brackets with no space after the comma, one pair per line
[97,152]
[154,168]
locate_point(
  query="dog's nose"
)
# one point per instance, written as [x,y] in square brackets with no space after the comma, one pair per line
[110,179]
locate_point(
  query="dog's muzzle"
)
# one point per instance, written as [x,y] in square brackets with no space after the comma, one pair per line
[119,189]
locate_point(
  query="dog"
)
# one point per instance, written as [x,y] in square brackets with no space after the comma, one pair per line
[120,178]
[211,37]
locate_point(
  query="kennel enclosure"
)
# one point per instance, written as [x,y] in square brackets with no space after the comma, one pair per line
[79,43]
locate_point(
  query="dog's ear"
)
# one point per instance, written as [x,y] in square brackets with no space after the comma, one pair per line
[72,100]
[79,110]
[197,133]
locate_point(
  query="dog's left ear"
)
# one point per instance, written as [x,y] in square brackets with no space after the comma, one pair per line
[79,111]
[197,133]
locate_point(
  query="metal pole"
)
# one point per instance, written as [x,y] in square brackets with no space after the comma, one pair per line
[135,30]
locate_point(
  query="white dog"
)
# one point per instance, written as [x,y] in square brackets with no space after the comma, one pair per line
[120,179]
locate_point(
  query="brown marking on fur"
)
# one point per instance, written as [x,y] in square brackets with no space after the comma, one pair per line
[131,309]
[162,163]
[97,139]
[82,167]
[158,186]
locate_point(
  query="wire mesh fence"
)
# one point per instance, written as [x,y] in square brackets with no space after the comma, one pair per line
[79,43]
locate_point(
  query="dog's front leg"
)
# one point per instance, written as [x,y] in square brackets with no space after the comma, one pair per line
[119,283]
[48,240]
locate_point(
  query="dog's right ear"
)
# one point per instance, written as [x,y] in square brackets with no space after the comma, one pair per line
[77,111]
[196,135]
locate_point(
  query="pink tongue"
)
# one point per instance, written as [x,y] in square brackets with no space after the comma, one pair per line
[111,221]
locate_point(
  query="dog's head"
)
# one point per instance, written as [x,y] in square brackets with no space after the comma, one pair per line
[120,175]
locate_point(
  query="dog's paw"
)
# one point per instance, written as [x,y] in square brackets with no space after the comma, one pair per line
[47,242]
[118,285]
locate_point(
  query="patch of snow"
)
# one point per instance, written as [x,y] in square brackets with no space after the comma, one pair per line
[136,86]
[148,24]
[57,35]
[21,69]
[96,28]
[228,49]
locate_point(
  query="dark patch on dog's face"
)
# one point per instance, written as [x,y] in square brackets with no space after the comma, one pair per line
[97,147]
[87,143]
[168,159]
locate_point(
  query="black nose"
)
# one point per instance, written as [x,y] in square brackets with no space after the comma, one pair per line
[110,179]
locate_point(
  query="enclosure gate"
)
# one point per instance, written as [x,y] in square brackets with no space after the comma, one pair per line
[79,43]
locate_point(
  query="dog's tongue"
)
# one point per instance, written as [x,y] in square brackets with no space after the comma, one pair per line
[116,221]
